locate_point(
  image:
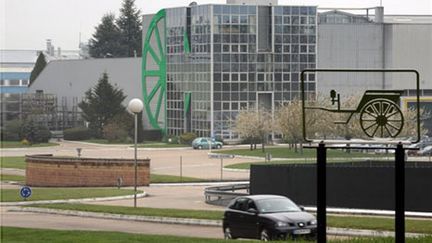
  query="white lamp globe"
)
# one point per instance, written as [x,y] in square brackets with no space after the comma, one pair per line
[135,105]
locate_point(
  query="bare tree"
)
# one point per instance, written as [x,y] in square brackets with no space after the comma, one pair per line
[410,124]
[254,125]
[288,121]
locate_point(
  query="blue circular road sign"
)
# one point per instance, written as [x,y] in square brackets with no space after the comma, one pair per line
[25,192]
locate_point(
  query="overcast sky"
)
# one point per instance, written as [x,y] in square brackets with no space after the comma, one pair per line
[26,24]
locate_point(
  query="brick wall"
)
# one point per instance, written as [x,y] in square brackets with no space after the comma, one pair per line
[49,171]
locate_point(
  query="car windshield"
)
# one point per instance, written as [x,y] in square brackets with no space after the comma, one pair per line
[275,205]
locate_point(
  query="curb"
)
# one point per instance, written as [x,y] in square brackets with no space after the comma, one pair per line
[200,222]
[98,144]
[370,212]
[96,199]
[236,170]
[198,184]
[367,233]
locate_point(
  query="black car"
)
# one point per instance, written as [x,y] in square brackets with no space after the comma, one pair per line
[267,217]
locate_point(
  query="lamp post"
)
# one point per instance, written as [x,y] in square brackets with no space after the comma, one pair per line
[135,106]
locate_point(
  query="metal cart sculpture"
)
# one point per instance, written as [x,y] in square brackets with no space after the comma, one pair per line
[380,115]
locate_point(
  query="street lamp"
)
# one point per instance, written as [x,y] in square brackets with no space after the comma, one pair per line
[135,106]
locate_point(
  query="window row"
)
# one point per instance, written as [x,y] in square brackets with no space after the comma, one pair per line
[288,29]
[295,20]
[234,9]
[235,29]
[234,38]
[295,10]
[302,39]
[196,77]
[302,58]
[234,19]
[287,48]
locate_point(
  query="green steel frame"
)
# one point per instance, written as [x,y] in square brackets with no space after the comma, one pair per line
[159,58]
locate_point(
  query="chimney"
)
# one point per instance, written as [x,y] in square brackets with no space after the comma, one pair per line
[379,14]
[48,46]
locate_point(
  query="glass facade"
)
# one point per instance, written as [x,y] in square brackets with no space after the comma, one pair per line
[241,57]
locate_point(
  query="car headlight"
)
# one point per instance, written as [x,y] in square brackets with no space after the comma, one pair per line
[313,222]
[281,224]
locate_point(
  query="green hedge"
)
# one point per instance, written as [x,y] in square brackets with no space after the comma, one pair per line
[77,133]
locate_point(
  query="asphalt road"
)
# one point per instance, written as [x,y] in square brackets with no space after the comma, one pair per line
[47,221]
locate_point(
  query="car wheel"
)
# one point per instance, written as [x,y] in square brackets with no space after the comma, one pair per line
[218,146]
[228,234]
[200,147]
[264,236]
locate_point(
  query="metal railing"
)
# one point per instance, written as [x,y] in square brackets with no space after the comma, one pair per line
[222,195]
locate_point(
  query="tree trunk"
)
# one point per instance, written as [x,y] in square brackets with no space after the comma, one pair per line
[295,147]
[251,145]
[301,148]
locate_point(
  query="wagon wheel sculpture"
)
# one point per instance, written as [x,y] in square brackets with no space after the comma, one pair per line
[154,99]
[381,118]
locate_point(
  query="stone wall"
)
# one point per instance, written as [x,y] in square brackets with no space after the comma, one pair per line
[49,171]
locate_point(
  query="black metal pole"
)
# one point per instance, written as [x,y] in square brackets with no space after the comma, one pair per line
[321,193]
[400,194]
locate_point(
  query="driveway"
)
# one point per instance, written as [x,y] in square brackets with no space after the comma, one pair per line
[195,163]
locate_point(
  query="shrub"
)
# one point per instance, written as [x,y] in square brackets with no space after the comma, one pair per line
[152,135]
[115,133]
[41,134]
[172,140]
[76,133]
[187,138]
[11,131]
[35,133]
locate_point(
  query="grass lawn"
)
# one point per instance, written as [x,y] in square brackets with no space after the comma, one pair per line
[12,195]
[246,165]
[13,162]
[372,223]
[159,212]
[162,145]
[17,144]
[17,178]
[14,234]
[100,141]
[377,223]
[146,144]
[285,152]
[156,178]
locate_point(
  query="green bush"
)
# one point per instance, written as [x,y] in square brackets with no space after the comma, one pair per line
[152,135]
[34,132]
[172,140]
[113,132]
[187,138]
[77,133]
[42,134]
[11,131]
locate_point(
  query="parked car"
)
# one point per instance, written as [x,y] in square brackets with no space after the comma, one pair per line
[426,151]
[203,143]
[267,217]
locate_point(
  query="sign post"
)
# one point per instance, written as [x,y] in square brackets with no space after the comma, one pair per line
[25,192]
[381,120]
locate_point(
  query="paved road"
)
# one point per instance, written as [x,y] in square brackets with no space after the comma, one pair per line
[195,162]
[46,221]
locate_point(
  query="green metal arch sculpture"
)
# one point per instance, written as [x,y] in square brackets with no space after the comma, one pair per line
[158,92]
